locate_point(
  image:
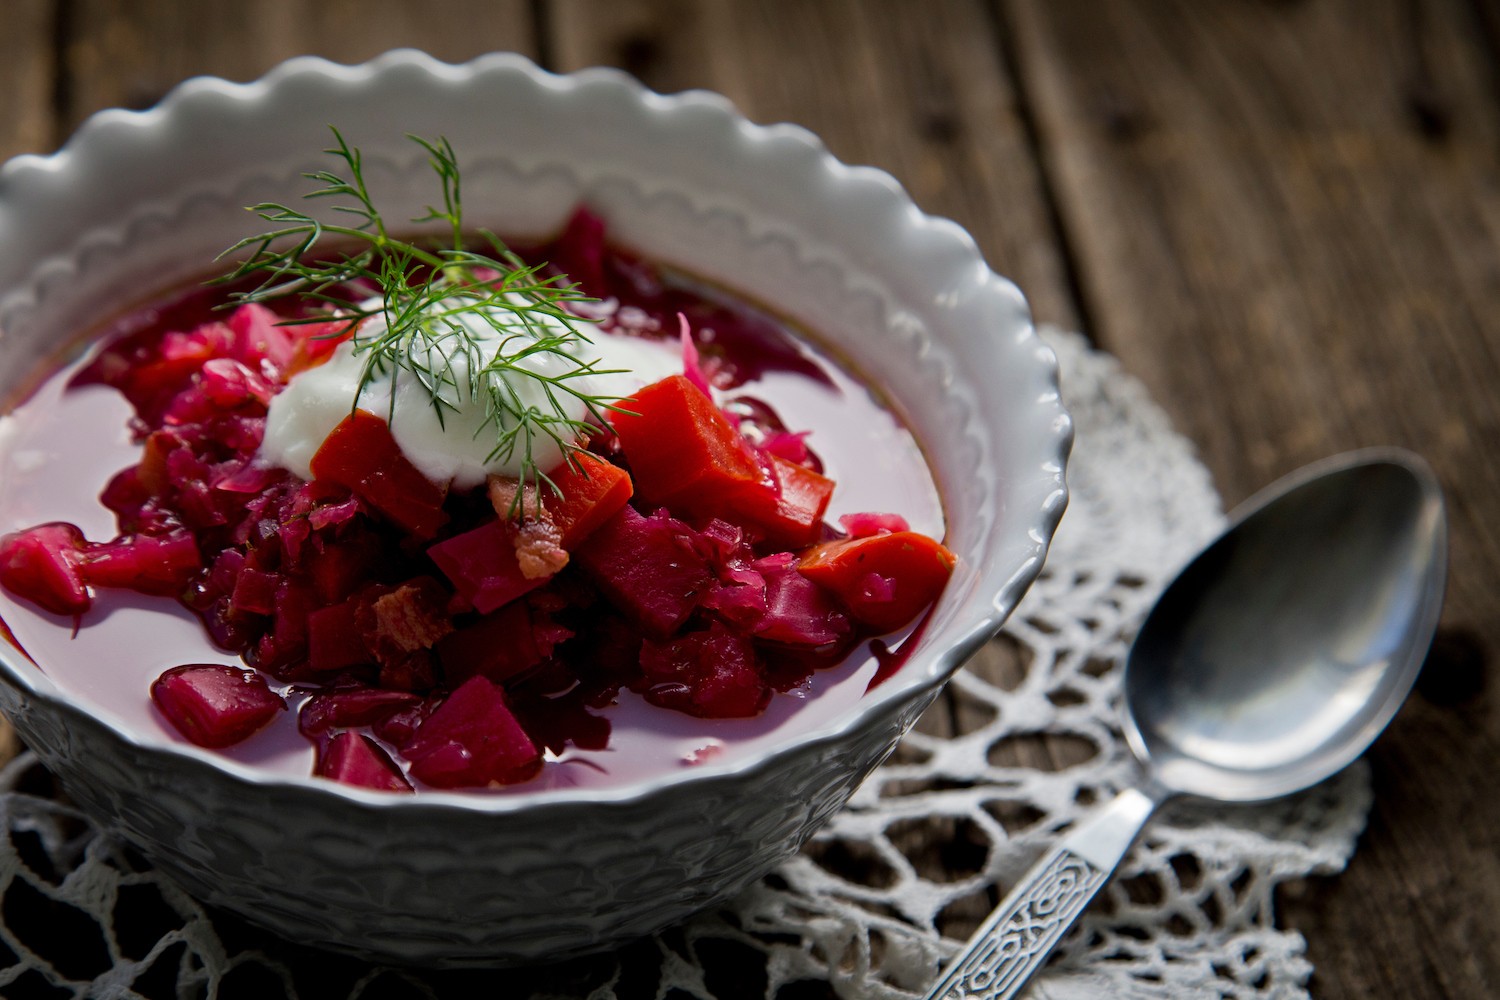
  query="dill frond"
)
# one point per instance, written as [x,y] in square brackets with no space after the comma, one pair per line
[423,293]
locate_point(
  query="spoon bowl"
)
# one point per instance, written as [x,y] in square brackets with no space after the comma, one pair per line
[1287,645]
[1271,662]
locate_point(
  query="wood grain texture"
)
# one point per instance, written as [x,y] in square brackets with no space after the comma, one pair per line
[1284,219]
[26,81]
[128,53]
[918,90]
[26,77]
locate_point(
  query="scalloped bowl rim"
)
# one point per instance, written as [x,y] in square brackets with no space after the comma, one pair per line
[905,685]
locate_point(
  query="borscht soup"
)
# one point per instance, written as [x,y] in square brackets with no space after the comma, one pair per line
[455,514]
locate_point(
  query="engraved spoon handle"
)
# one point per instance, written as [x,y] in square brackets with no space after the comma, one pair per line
[1016,939]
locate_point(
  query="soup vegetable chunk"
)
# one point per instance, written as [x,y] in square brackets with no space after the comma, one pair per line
[450,504]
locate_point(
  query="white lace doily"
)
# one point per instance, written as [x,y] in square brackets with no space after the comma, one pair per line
[1189,916]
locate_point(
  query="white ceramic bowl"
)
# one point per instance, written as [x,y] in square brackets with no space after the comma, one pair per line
[140,200]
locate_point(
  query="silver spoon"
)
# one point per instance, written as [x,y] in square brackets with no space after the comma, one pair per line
[1271,662]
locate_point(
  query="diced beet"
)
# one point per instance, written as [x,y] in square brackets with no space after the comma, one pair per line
[255,592]
[548,634]
[413,672]
[198,506]
[151,380]
[550,678]
[472,740]
[215,705]
[334,638]
[262,547]
[284,647]
[337,567]
[229,629]
[498,646]
[291,536]
[713,673]
[361,455]
[355,759]
[648,568]
[482,566]
[731,689]
[41,565]
[359,706]
[125,495]
[400,726]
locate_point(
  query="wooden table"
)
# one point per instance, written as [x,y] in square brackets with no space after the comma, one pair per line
[1283,215]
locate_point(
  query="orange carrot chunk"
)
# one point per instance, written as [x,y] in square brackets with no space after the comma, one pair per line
[884,581]
[592,490]
[794,515]
[683,452]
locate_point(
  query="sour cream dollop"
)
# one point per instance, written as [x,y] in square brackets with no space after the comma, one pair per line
[456,450]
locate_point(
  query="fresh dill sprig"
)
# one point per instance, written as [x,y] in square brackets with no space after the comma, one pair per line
[422,293]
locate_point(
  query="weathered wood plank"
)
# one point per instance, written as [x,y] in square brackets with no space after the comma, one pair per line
[26,79]
[130,53]
[26,76]
[1297,201]
[918,90]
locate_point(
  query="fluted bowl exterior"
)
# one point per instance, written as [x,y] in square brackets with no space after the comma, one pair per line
[433,885]
[137,200]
